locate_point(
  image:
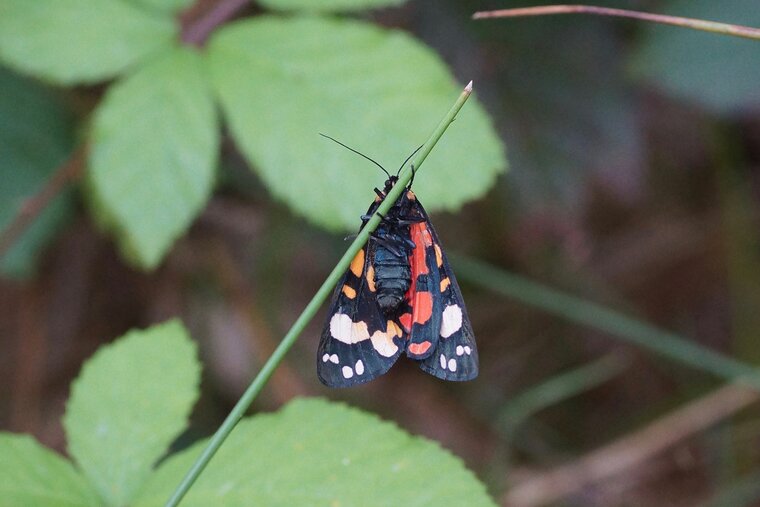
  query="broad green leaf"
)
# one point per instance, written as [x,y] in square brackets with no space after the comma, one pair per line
[129,403]
[329,5]
[282,81]
[154,152]
[36,136]
[717,71]
[317,453]
[78,41]
[169,6]
[33,476]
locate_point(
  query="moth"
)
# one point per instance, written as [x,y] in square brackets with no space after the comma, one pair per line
[399,296]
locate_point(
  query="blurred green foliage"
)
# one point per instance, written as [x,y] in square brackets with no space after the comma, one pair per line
[133,397]
[280,81]
[155,143]
[36,135]
[720,73]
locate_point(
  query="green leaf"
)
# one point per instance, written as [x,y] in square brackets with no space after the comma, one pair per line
[36,136]
[78,41]
[317,453]
[33,476]
[130,401]
[329,5]
[154,149]
[282,81]
[717,71]
[170,6]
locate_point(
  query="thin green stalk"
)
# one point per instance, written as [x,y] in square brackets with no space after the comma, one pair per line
[583,312]
[558,388]
[695,24]
[311,309]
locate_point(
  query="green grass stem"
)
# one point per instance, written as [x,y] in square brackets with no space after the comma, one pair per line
[590,314]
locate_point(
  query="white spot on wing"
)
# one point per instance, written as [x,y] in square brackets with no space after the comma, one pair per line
[453,364]
[460,350]
[325,358]
[347,372]
[467,350]
[334,359]
[451,320]
[443,361]
[359,367]
[346,331]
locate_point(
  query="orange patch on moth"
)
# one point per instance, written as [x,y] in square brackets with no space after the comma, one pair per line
[371,278]
[357,265]
[445,283]
[422,307]
[418,349]
[438,255]
[349,292]
[410,195]
[392,329]
[406,321]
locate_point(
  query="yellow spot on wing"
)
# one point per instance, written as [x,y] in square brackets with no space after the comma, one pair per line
[349,292]
[392,329]
[445,283]
[371,278]
[357,265]
[438,255]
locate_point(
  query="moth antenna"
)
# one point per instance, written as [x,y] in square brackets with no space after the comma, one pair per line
[407,159]
[358,153]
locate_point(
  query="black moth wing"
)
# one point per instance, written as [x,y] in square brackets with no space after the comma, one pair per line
[456,355]
[358,342]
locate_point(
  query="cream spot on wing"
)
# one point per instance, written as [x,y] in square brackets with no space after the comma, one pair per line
[438,256]
[443,361]
[467,350]
[359,367]
[460,350]
[346,331]
[383,344]
[334,359]
[453,364]
[325,358]
[451,320]
[347,372]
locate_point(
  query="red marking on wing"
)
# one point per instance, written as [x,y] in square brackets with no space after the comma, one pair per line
[406,321]
[419,348]
[421,237]
[421,302]
[422,308]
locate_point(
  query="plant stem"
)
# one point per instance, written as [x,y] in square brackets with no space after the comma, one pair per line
[198,31]
[695,24]
[583,312]
[301,322]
